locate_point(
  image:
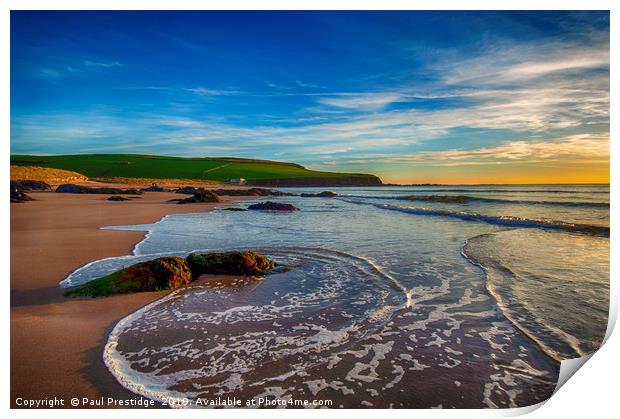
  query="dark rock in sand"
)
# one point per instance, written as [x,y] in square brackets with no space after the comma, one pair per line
[324,194]
[71,188]
[229,263]
[30,185]
[17,196]
[153,188]
[116,191]
[234,209]
[187,190]
[200,196]
[273,206]
[159,274]
[118,198]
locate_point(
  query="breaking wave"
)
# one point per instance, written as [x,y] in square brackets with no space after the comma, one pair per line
[464,199]
[508,221]
[511,262]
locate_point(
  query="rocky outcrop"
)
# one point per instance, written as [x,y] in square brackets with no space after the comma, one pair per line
[166,273]
[17,196]
[79,189]
[273,206]
[153,188]
[70,188]
[187,190]
[353,180]
[118,198]
[251,192]
[324,194]
[200,196]
[30,185]
[229,263]
[159,274]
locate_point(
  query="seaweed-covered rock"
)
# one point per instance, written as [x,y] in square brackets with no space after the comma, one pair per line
[17,196]
[200,196]
[30,185]
[79,189]
[273,206]
[324,194]
[187,190]
[155,275]
[118,198]
[153,188]
[229,263]
[171,272]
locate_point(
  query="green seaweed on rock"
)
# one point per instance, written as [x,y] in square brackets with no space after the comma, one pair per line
[229,263]
[171,272]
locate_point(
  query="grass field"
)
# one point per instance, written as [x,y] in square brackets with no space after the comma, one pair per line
[161,167]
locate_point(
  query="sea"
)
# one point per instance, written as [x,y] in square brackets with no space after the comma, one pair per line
[401,297]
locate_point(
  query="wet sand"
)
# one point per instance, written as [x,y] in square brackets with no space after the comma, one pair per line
[57,343]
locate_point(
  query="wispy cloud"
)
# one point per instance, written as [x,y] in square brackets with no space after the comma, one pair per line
[363,101]
[83,69]
[205,91]
[502,64]
[579,146]
[102,64]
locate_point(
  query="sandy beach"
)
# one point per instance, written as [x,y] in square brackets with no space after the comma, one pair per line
[56,343]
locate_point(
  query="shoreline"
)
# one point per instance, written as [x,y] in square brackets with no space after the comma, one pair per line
[57,343]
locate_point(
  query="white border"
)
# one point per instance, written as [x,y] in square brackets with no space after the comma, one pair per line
[592,392]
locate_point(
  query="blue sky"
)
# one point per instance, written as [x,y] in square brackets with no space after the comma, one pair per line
[411,96]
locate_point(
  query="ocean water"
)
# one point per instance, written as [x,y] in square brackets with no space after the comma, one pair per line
[396,297]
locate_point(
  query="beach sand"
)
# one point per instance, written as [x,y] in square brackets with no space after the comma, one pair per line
[57,343]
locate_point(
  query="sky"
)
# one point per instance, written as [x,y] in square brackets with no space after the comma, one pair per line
[411,96]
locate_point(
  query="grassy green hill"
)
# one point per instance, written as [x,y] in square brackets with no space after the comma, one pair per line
[162,167]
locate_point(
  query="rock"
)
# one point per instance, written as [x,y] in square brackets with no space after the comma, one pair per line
[153,188]
[171,272]
[324,194]
[229,263]
[118,198]
[17,196]
[234,209]
[71,188]
[200,196]
[187,190]
[30,185]
[115,191]
[250,192]
[155,275]
[273,206]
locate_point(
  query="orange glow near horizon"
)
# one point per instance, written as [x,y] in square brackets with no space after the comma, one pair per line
[593,173]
